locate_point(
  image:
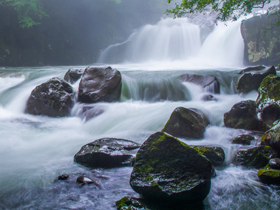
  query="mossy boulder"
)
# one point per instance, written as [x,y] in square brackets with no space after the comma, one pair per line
[73,75]
[106,153]
[167,169]
[268,101]
[208,82]
[269,176]
[243,115]
[272,137]
[130,203]
[100,84]
[189,123]
[54,98]
[243,139]
[215,154]
[256,157]
[251,80]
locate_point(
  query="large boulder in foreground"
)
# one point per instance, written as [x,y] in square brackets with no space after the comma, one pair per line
[272,137]
[268,101]
[73,75]
[251,80]
[208,82]
[106,153]
[243,115]
[54,98]
[189,123]
[167,169]
[100,84]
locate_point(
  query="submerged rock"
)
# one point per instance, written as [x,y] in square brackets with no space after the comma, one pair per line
[63,177]
[256,157]
[268,101]
[208,82]
[215,154]
[87,180]
[167,169]
[243,139]
[54,98]
[252,80]
[73,75]
[100,84]
[243,115]
[186,123]
[89,112]
[106,153]
[272,137]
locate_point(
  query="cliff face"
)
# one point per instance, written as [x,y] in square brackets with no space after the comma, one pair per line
[262,40]
[74,31]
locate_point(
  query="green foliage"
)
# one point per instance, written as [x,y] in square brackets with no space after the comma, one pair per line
[29,11]
[225,9]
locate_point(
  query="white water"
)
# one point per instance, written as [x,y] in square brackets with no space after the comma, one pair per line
[178,44]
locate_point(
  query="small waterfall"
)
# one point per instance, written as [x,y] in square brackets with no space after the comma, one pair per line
[179,40]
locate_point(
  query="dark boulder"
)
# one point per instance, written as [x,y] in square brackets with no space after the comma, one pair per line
[251,80]
[274,163]
[106,153]
[269,176]
[243,115]
[73,75]
[186,123]
[100,84]
[54,98]
[243,139]
[167,169]
[256,157]
[268,101]
[208,82]
[272,137]
[215,154]
[130,203]
[252,68]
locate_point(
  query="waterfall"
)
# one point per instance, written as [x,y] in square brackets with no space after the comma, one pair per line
[180,41]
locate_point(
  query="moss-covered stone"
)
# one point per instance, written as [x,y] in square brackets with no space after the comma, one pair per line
[243,139]
[243,115]
[256,157]
[186,123]
[167,169]
[215,154]
[272,137]
[251,80]
[268,101]
[269,176]
[129,203]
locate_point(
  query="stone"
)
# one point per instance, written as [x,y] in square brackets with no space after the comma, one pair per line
[256,157]
[208,82]
[54,98]
[252,68]
[88,112]
[274,163]
[86,180]
[268,101]
[130,203]
[63,177]
[243,139]
[269,176]
[250,81]
[208,97]
[215,154]
[243,115]
[168,170]
[106,153]
[100,85]
[73,75]
[272,137]
[189,123]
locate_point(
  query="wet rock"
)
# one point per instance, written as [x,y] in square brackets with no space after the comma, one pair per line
[168,170]
[54,98]
[243,115]
[274,163]
[215,154]
[243,139]
[73,75]
[86,180]
[268,101]
[130,203]
[208,82]
[208,97]
[89,112]
[269,176]
[63,177]
[272,137]
[252,68]
[186,123]
[256,157]
[106,153]
[251,80]
[100,84]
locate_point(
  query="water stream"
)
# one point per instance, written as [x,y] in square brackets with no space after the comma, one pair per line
[34,150]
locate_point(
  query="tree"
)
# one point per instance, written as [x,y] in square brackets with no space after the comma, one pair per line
[225,9]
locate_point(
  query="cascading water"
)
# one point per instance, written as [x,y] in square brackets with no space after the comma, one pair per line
[180,41]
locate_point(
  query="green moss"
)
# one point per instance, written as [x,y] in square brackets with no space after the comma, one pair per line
[121,203]
[269,89]
[269,172]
